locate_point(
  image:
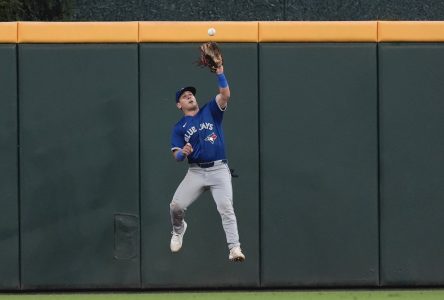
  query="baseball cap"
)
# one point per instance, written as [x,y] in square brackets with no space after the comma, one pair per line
[179,93]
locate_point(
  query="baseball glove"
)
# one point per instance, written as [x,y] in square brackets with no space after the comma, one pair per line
[210,56]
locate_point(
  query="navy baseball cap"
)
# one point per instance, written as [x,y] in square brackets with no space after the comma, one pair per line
[179,93]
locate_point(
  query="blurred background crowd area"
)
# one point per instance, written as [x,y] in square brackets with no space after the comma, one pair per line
[213,10]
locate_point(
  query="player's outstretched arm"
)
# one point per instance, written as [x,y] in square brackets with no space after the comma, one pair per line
[224,90]
[180,154]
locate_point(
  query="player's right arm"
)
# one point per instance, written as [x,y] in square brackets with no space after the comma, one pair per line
[181,154]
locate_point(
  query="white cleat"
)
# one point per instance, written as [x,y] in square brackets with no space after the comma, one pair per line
[236,254]
[177,239]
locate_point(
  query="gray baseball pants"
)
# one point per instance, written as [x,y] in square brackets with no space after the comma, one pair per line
[218,180]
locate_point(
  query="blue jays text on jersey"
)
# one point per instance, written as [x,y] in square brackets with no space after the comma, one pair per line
[204,132]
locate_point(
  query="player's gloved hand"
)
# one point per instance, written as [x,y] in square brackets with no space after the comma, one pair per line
[210,56]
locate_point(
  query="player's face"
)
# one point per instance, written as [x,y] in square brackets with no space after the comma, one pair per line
[187,102]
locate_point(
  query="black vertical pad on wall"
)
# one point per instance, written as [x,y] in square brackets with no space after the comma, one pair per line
[318,112]
[79,165]
[412,163]
[203,260]
[9,231]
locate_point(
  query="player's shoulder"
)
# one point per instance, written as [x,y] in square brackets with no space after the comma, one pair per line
[179,124]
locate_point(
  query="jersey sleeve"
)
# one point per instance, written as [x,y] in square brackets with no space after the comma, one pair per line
[216,110]
[177,141]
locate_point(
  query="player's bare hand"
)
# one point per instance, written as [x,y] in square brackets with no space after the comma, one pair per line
[220,70]
[187,149]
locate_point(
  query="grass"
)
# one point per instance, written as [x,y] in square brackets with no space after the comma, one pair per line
[230,295]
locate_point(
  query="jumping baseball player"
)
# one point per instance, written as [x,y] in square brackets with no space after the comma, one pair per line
[199,137]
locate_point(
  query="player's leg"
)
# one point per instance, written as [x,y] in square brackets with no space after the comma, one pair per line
[222,191]
[186,193]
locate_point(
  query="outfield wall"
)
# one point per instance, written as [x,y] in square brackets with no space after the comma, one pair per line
[334,130]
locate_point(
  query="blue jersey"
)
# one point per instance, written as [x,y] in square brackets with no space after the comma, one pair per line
[204,132]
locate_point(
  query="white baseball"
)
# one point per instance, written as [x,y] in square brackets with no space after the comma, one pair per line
[211,31]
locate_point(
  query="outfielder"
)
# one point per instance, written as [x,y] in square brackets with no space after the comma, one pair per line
[199,137]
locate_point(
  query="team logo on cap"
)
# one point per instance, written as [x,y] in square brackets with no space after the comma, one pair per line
[211,138]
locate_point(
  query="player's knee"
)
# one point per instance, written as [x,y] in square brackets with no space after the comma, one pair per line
[225,207]
[176,208]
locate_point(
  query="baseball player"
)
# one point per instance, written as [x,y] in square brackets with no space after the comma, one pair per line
[199,137]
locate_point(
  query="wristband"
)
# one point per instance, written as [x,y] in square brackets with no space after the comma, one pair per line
[180,156]
[223,83]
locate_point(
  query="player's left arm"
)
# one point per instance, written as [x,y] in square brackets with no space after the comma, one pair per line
[224,90]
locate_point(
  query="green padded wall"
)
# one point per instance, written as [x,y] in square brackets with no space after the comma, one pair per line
[9,230]
[412,163]
[203,260]
[319,205]
[79,166]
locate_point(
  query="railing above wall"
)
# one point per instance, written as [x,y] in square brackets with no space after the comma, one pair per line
[253,32]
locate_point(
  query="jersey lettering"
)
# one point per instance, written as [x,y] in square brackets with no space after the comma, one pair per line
[208,126]
[189,133]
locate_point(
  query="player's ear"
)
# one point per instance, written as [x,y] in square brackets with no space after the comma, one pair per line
[179,106]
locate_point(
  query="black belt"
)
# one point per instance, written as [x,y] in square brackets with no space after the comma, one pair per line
[211,163]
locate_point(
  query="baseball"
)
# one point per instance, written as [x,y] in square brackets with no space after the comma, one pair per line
[211,31]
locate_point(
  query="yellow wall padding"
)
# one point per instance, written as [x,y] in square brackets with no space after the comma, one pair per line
[328,31]
[8,32]
[78,32]
[411,31]
[198,31]
[251,31]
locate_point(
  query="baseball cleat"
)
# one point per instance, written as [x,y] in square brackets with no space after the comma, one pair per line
[236,254]
[177,239]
